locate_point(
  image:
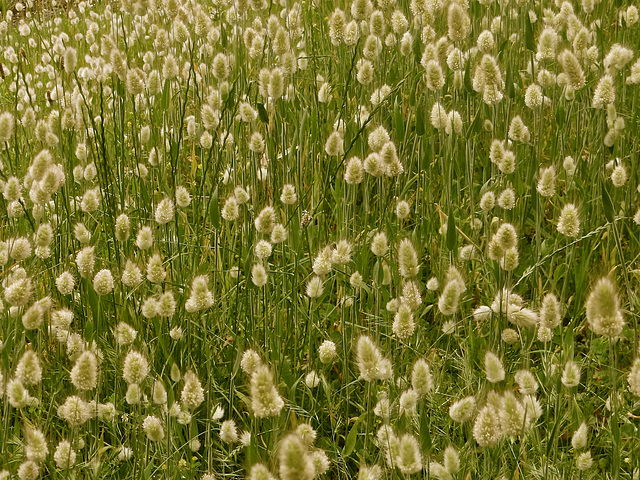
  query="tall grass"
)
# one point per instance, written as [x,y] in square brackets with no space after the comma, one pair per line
[87,78]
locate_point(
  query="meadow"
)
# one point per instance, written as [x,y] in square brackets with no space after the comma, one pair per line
[364,239]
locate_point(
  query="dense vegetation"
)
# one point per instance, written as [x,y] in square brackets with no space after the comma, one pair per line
[319,239]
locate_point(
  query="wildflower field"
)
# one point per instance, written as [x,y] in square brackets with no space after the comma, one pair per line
[351,239]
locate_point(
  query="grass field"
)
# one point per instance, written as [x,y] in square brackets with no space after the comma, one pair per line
[320,239]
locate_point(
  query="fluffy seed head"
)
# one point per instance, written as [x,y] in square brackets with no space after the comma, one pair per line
[155,270]
[571,374]
[512,415]
[201,297]
[451,460]
[64,456]
[506,236]
[133,394]
[526,381]
[573,75]
[450,298]
[17,394]
[75,411]
[259,275]
[547,182]
[131,276]
[569,221]
[279,233]
[487,429]
[123,228]
[260,472]
[295,463]
[434,76]
[228,431]
[136,368]
[487,201]
[619,176]
[603,309]
[315,287]
[533,97]
[276,84]
[166,306]
[458,21]
[29,369]
[463,409]
[421,379]
[7,126]
[341,254]
[85,261]
[584,461]
[633,378]
[220,67]
[371,364]
[605,92]
[250,361]
[403,209]
[192,393]
[90,200]
[28,470]
[265,220]
[354,171]
[439,117]
[411,295]
[289,196]
[20,249]
[322,263]
[19,289]
[407,259]
[12,189]
[403,323]
[334,145]
[580,437]
[265,400]
[44,235]
[370,473]
[164,211]
[183,197]
[36,448]
[518,131]
[485,42]
[547,44]
[408,458]
[103,282]
[144,240]
[327,352]
[407,403]
[262,249]
[379,244]
[507,199]
[84,374]
[493,368]
[374,165]
[550,316]
[631,15]
[124,334]
[153,428]
[230,210]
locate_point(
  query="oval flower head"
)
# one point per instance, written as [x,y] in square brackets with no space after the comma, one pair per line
[569,221]
[295,462]
[493,368]
[265,400]
[371,363]
[603,309]
[408,457]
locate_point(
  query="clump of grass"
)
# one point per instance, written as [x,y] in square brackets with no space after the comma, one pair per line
[305,240]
